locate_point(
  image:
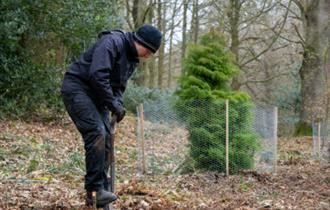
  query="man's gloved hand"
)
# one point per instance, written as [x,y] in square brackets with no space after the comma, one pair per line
[120,113]
[118,110]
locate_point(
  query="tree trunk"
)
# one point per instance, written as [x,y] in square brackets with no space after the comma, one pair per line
[152,62]
[149,69]
[169,75]
[161,53]
[138,13]
[194,22]
[184,34]
[324,17]
[153,73]
[311,72]
[327,81]
[60,55]
[312,75]
[234,18]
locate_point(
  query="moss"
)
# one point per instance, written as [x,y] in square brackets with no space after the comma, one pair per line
[33,165]
[303,129]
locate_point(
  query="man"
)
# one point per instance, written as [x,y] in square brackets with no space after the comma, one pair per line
[95,84]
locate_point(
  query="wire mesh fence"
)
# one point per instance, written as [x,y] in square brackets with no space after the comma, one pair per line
[205,135]
[321,140]
[265,125]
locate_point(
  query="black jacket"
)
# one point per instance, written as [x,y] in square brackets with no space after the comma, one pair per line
[103,70]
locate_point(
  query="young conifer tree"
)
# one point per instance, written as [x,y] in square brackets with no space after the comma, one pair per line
[203,89]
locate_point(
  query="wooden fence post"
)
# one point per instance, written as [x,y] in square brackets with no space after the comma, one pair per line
[142,138]
[275,139]
[319,139]
[227,137]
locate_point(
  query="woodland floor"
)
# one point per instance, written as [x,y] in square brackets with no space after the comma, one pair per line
[42,167]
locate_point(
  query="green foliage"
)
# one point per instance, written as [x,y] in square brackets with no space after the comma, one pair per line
[303,129]
[33,165]
[135,95]
[31,34]
[75,163]
[73,23]
[26,88]
[288,100]
[76,23]
[203,90]
[209,69]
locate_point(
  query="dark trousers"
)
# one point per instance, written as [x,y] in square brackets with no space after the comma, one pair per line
[92,121]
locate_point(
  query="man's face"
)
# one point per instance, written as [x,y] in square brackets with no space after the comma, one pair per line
[142,51]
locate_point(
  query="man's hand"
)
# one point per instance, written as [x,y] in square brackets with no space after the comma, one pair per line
[118,110]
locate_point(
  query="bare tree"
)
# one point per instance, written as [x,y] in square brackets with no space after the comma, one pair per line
[173,25]
[138,12]
[184,31]
[152,73]
[195,19]
[314,70]
[250,36]
[161,23]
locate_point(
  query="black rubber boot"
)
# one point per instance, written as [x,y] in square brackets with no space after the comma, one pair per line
[102,198]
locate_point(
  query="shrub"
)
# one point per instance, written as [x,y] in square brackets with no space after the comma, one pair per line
[135,95]
[28,89]
[202,93]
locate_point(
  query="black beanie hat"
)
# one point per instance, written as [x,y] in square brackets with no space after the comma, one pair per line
[149,36]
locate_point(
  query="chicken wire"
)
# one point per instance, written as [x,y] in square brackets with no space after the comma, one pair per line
[321,141]
[165,136]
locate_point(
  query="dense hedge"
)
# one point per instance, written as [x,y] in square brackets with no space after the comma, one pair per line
[38,39]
